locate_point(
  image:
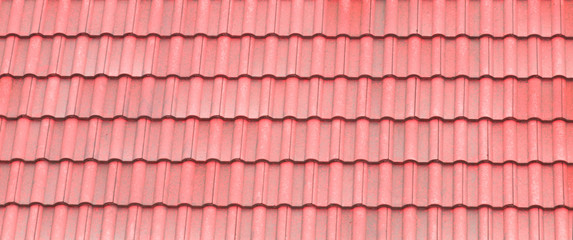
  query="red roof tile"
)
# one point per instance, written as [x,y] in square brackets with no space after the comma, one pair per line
[422,141]
[86,221]
[299,98]
[408,119]
[306,18]
[310,183]
[280,57]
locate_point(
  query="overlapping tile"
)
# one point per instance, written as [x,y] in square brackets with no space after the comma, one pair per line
[287,184]
[462,140]
[306,18]
[406,119]
[254,98]
[110,221]
[281,57]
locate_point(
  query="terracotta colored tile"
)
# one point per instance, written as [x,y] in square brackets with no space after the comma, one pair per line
[286,183]
[233,57]
[297,140]
[171,222]
[287,18]
[543,99]
[286,119]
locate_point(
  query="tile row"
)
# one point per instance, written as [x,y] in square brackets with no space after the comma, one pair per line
[214,183]
[286,56]
[254,98]
[306,18]
[158,222]
[293,140]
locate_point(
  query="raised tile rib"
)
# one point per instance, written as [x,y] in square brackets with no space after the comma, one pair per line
[102,222]
[287,184]
[255,98]
[282,57]
[423,141]
[285,18]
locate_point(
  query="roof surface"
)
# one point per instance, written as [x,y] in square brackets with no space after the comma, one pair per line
[408,119]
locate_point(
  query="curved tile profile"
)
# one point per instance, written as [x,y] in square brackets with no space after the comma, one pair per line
[422,141]
[299,98]
[288,184]
[326,119]
[282,57]
[87,221]
[449,18]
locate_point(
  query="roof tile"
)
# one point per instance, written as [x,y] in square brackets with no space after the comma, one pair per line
[372,185]
[300,98]
[296,119]
[233,57]
[328,18]
[258,222]
[470,141]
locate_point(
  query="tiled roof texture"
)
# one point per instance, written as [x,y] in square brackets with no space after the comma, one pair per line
[281,57]
[136,222]
[408,119]
[421,141]
[401,18]
[322,185]
[293,97]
